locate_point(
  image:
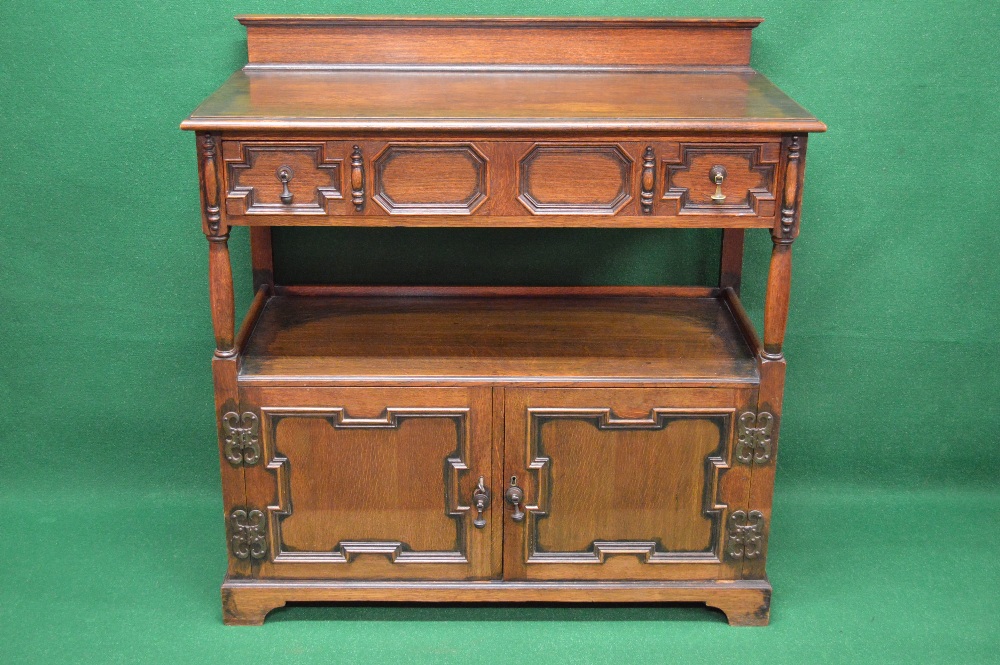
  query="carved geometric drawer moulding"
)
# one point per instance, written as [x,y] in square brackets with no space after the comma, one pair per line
[431,179]
[580,179]
[255,183]
[749,181]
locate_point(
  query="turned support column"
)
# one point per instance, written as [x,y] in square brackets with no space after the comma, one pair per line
[731,261]
[779,277]
[220,291]
[220,273]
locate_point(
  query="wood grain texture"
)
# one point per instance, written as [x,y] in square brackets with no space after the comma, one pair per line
[224,379]
[623,483]
[221,296]
[748,185]
[731,261]
[624,413]
[474,40]
[314,178]
[513,182]
[730,100]
[491,340]
[744,602]
[372,483]
[261,257]
[430,179]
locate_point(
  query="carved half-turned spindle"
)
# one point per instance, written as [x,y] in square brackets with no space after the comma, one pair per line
[210,186]
[648,180]
[790,199]
[357,180]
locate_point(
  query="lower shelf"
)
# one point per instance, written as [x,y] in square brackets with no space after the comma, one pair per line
[246,602]
[701,338]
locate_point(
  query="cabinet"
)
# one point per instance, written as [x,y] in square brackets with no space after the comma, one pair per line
[571,444]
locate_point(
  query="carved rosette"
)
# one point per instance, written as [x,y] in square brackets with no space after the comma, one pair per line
[745,535]
[247,529]
[241,438]
[753,442]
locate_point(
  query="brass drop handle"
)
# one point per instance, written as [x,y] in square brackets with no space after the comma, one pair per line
[515,496]
[717,174]
[284,175]
[481,499]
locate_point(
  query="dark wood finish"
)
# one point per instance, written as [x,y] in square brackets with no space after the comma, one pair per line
[313,183]
[748,184]
[731,261]
[640,424]
[372,483]
[261,256]
[430,179]
[575,179]
[744,602]
[413,340]
[599,182]
[352,100]
[623,483]
[497,41]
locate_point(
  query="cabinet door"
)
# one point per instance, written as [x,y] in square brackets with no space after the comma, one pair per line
[371,483]
[623,484]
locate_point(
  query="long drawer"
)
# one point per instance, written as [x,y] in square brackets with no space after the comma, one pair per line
[696,181]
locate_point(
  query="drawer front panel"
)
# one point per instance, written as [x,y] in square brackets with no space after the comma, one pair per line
[575,179]
[623,484]
[372,483]
[746,185]
[284,178]
[430,179]
[684,181]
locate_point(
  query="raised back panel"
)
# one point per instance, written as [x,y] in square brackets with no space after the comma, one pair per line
[645,42]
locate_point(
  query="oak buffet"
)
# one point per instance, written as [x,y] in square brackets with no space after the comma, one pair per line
[498,444]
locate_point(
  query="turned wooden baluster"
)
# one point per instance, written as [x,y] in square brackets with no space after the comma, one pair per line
[220,274]
[783,235]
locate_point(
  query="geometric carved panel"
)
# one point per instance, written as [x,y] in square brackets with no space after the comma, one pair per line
[350,487]
[430,179]
[578,179]
[256,186]
[748,184]
[639,487]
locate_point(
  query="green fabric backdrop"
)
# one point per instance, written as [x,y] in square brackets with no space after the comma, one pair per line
[884,531]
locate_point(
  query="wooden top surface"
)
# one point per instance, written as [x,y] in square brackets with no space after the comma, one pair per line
[487,100]
[484,74]
[497,339]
